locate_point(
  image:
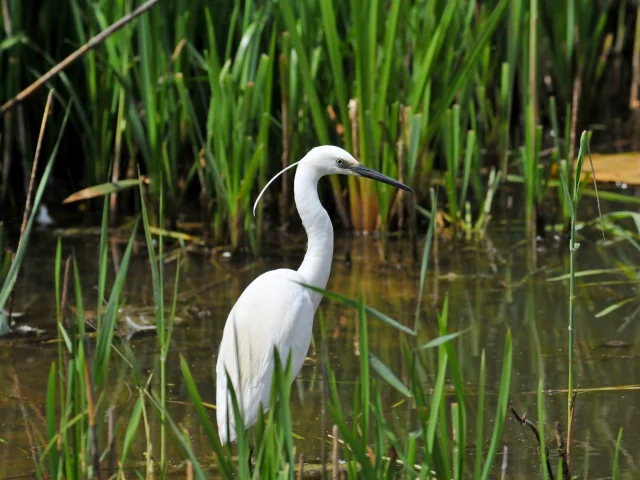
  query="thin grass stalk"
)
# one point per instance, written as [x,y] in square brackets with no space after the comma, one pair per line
[573,247]
[76,388]
[106,333]
[333,49]
[94,449]
[364,368]
[616,456]
[223,463]
[34,167]
[63,348]
[425,257]
[545,464]
[501,411]
[164,341]
[505,105]
[119,137]
[149,443]
[317,114]
[12,274]
[456,378]
[51,421]
[102,256]
[562,161]
[158,294]
[480,418]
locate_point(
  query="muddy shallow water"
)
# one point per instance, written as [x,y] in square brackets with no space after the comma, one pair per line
[491,288]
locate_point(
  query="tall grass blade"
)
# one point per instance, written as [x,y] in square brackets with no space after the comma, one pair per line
[223,463]
[501,410]
[12,274]
[387,374]
[425,256]
[51,420]
[368,310]
[130,433]
[480,418]
[616,456]
[106,333]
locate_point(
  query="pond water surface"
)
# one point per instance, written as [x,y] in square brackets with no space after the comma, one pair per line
[491,286]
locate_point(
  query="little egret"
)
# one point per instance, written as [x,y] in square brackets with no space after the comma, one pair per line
[275,309]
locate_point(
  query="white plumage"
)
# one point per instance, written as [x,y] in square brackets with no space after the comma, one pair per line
[275,309]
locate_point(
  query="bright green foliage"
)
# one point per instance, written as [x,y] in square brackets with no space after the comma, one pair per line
[214,102]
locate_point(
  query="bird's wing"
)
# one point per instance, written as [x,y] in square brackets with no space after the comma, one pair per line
[274,310]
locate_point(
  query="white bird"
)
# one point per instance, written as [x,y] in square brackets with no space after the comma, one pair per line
[44,219]
[275,309]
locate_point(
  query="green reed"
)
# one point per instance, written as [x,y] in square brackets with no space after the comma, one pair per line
[201,100]
[577,46]
[162,324]
[307,62]
[371,430]
[232,153]
[78,381]
[460,149]
[572,200]
[78,386]
[616,467]
[382,121]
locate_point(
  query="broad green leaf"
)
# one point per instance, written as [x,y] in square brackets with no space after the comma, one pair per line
[440,340]
[387,374]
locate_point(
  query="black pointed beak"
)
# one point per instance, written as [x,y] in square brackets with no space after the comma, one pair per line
[367,172]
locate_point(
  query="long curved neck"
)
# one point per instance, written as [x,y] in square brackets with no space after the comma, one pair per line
[316,266]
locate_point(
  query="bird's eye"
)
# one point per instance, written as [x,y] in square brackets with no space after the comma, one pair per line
[339,162]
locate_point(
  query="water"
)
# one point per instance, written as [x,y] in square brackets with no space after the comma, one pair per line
[491,286]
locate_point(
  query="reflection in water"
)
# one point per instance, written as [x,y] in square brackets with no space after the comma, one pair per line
[491,289]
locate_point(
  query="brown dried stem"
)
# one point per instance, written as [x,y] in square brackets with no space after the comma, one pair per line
[301,467]
[570,429]
[577,90]
[27,208]
[34,168]
[523,420]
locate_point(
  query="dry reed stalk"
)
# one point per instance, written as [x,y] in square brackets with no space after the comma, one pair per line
[92,43]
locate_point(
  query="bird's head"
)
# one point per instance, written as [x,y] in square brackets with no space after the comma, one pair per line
[331,160]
